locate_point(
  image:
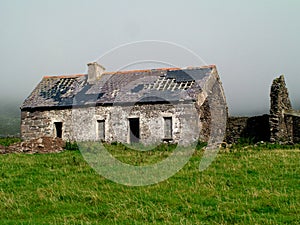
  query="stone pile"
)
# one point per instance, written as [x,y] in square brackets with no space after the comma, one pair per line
[39,145]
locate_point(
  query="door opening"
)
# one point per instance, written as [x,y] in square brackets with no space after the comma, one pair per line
[134,132]
[58,129]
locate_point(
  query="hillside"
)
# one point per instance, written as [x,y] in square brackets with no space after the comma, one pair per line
[10,119]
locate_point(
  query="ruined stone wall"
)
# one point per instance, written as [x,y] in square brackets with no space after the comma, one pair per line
[40,123]
[219,113]
[205,119]
[235,129]
[293,126]
[256,128]
[213,110]
[81,123]
[184,122]
[280,126]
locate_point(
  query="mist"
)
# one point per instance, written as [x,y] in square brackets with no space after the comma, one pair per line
[250,42]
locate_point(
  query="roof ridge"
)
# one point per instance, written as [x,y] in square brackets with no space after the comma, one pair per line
[161,69]
[64,76]
[133,71]
[201,67]
[142,70]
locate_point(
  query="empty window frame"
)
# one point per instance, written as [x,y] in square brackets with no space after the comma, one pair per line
[168,127]
[101,130]
[58,129]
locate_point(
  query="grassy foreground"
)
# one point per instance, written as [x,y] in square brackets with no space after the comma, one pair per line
[241,187]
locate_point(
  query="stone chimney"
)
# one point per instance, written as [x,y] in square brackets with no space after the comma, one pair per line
[95,71]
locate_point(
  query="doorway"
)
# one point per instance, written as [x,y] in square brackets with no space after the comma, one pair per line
[58,129]
[134,130]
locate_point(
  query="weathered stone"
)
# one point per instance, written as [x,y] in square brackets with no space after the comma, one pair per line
[191,120]
[280,126]
[256,128]
[40,145]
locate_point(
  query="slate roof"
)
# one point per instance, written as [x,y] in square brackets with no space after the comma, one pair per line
[143,86]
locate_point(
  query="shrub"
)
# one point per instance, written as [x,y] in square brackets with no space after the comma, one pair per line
[72,146]
[200,145]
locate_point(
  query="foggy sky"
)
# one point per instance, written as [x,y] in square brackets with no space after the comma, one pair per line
[251,42]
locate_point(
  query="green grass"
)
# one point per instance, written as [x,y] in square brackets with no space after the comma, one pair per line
[248,143]
[6,141]
[240,187]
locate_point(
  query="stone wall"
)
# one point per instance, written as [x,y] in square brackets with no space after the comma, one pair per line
[281,127]
[292,121]
[213,111]
[40,123]
[296,129]
[256,128]
[81,123]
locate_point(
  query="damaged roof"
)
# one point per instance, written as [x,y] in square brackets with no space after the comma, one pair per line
[136,86]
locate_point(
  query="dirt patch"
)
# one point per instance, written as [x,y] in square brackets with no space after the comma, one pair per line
[39,145]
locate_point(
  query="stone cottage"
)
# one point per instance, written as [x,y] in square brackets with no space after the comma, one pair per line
[147,106]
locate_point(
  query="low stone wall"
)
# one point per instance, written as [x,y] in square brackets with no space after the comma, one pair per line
[256,127]
[235,128]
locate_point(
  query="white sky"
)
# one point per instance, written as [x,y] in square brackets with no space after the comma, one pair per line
[251,42]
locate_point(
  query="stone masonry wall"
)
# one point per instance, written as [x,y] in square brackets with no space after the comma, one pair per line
[256,128]
[296,129]
[213,111]
[40,123]
[81,123]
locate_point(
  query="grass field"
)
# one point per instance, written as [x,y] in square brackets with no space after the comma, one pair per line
[240,187]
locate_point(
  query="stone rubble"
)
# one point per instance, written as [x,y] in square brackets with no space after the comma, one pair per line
[38,145]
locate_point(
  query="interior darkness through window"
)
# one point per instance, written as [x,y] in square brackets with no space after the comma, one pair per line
[134,126]
[58,129]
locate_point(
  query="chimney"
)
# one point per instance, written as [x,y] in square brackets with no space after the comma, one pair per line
[94,72]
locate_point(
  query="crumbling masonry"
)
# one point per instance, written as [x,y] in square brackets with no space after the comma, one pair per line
[282,125]
[150,106]
[147,106]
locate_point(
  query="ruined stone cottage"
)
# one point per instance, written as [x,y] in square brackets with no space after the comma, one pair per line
[282,125]
[147,106]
